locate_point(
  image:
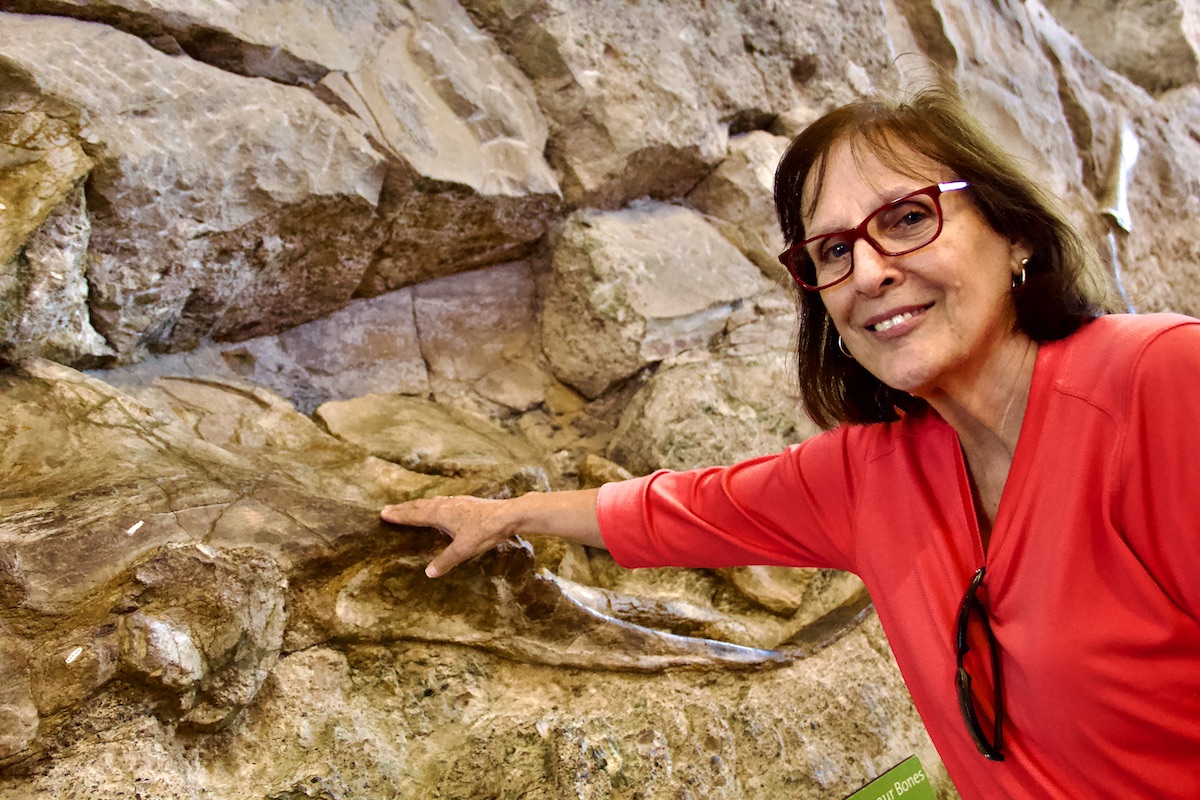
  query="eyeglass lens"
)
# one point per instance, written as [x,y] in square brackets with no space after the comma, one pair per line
[972,703]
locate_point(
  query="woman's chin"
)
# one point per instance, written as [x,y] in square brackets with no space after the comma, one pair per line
[912,379]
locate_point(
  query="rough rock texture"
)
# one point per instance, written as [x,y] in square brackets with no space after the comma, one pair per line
[274,194]
[425,437]
[44,291]
[205,233]
[490,241]
[736,197]
[719,410]
[1156,41]
[167,560]
[44,235]
[479,330]
[635,104]
[630,288]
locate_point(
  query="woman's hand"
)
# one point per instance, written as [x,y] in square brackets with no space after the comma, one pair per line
[475,525]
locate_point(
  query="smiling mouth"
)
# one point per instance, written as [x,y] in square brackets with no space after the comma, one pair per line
[891,322]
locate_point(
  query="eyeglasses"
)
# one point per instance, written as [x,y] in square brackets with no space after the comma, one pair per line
[962,680]
[896,228]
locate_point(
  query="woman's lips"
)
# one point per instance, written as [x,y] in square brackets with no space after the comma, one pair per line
[886,322]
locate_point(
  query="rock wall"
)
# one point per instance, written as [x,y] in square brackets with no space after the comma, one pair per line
[315,257]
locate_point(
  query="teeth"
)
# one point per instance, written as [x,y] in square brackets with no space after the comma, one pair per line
[888,324]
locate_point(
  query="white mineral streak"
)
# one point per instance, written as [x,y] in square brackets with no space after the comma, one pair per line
[1114,200]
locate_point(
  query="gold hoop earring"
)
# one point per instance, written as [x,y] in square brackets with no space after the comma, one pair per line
[1019,280]
[842,347]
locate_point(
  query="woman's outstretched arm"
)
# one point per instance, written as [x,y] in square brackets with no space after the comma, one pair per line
[476,525]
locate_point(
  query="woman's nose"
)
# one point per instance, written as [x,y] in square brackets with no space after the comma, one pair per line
[873,271]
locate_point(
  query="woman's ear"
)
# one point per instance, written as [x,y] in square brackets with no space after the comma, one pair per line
[1021,253]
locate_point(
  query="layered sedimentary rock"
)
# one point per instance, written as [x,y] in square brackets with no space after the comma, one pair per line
[322,257]
[168,559]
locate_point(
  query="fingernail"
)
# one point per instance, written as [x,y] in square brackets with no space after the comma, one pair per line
[431,571]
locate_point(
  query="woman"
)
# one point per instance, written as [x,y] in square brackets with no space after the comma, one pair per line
[1012,475]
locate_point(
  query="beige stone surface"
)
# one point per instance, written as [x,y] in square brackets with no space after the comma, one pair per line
[170,561]
[479,336]
[44,233]
[1145,196]
[423,436]
[738,197]
[370,346]
[440,94]
[41,163]
[1153,43]
[218,219]
[716,411]
[635,104]
[44,291]
[629,288]
[18,713]
[336,722]
[420,77]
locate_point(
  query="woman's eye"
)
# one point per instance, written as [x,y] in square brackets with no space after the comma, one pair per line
[834,250]
[907,215]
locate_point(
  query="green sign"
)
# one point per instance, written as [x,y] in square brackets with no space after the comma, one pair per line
[905,781]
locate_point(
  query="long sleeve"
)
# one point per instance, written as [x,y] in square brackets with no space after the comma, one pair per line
[791,509]
[1158,488]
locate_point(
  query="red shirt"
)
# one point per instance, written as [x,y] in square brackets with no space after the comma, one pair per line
[1093,566]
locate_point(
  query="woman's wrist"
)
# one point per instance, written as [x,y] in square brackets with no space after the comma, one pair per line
[568,515]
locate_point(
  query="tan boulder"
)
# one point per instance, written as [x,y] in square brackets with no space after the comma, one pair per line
[629,288]
[368,347]
[738,198]
[425,437]
[479,337]
[18,713]
[44,233]
[1156,43]
[44,292]
[636,103]
[41,165]
[420,77]
[1140,165]
[218,231]
[711,412]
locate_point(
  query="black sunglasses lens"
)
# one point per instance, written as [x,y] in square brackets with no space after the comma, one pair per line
[962,679]
[967,707]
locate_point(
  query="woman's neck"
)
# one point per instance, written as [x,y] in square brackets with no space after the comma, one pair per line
[987,414]
[987,410]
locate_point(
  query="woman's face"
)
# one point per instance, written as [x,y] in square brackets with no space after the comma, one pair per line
[937,320]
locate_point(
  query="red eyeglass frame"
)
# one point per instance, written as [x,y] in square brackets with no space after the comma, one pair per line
[852,235]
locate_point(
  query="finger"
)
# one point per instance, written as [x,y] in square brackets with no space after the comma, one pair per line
[448,559]
[421,513]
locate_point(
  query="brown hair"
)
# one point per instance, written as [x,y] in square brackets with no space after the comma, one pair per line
[1054,301]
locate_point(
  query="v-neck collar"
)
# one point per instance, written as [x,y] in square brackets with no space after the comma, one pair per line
[1040,386]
